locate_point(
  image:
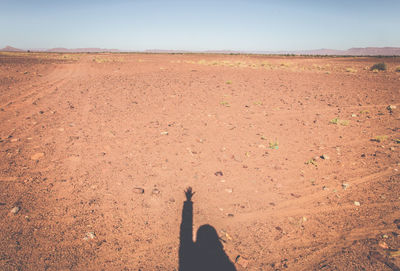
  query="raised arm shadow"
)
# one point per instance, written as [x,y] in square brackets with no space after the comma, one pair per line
[207,253]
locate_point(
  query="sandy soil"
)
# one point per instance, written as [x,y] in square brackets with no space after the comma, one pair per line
[82,134]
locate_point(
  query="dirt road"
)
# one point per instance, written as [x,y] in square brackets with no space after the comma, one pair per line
[294,161]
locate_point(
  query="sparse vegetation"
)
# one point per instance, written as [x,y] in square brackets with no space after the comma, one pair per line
[339,121]
[380,138]
[351,70]
[312,161]
[274,144]
[379,67]
[228,82]
[225,103]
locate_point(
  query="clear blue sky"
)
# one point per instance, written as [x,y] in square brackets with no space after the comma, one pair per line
[200,25]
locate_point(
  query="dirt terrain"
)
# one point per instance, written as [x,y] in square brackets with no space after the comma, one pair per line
[294,161]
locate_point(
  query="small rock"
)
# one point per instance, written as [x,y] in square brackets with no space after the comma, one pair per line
[262,146]
[397,223]
[229,190]
[231,215]
[295,195]
[155,191]
[325,157]
[218,173]
[15,210]
[383,245]
[392,148]
[171,200]
[385,236]
[242,262]
[164,133]
[345,186]
[356,203]
[14,140]
[37,156]
[325,188]
[138,190]
[353,115]
[391,108]
[89,235]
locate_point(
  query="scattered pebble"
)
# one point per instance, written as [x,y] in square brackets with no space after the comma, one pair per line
[325,157]
[37,156]
[325,188]
[356,203]
[383,245]
[229,190]
[397,222]
[391,108]
[155,191]
[242,261]
[345,186]
[295,195]
[164,133]
[15,210]
[138,190]
[218,173]
[353,115]
[89,235]
[14,140]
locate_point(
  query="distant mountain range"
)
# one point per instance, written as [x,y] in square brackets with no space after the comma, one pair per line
[368,51]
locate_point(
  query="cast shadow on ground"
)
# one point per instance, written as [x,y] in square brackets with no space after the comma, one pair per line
[207,253]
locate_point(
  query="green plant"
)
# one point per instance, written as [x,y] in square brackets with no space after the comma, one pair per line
[379,67]
[379,138]
[351,70]
[312,161]
[339,121]
[225,103]
[334,121]
[274,145]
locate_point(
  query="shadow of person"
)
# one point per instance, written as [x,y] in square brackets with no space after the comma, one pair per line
[207,253]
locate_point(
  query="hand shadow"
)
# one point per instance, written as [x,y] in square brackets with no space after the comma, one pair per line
[207,253]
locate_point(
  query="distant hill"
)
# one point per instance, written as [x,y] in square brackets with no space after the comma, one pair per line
[82,50]
[368,51]
[10,49]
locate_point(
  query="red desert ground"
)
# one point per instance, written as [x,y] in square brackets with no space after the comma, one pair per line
[293,161]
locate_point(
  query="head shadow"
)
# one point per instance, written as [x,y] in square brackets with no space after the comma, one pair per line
[207,253]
